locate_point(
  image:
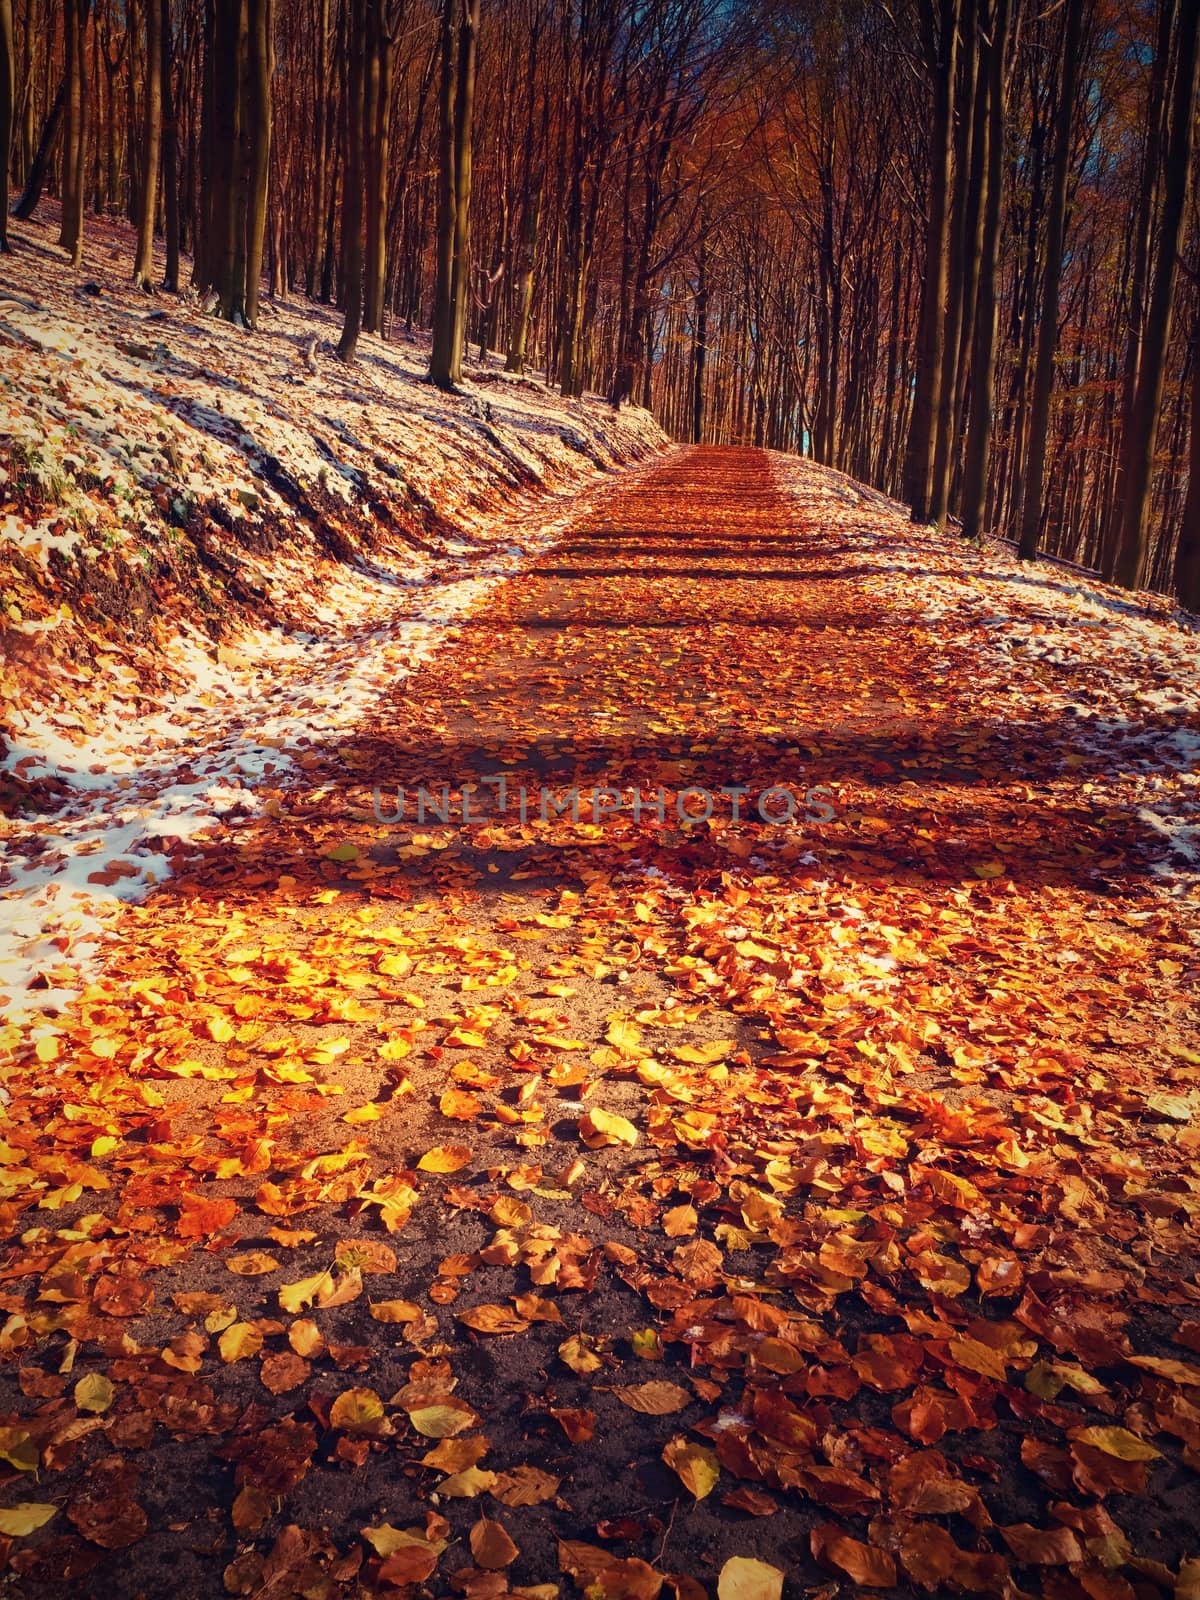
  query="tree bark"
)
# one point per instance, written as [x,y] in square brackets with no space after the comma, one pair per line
[1047,346]
[700,339]
[8,95]
[1138,448]
[147,203]
[170,152]
[260,67]
[1187,552]
[1143,238]
[352,197]
[979,433]
[941,53]
[956,285]
[383,54]
[464,116]
[75,130]
[35,178]
[320,151]
[442,362]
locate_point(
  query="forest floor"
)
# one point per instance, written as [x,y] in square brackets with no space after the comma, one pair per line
[523,1203]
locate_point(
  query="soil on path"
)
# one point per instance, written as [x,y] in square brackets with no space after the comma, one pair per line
[681,1187]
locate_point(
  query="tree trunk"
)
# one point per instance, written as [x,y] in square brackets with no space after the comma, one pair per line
[8,95]
[983,380]
[320,150]
[258,110]
[25,141]
[1047,346]
[378,171]
[464,115]
[35,178]
[1138,449]
[170,152]
[232,281]
[1143,232]
[352,197]
[956,285]
[1187,552]
[700,339]
[147,202]
[519,332]
[941,53]
[75,130]
[442,356]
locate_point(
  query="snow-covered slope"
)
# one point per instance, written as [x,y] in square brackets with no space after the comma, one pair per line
[217,545]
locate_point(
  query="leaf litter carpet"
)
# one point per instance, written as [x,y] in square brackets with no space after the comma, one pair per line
[622,1203]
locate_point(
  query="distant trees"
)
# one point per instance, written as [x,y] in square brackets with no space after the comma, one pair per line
[934,244]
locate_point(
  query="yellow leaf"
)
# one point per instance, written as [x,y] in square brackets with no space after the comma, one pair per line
[305,1338]
[18,1449]
[1163,1367]
[386,1540]
[456,1455]
[707,1055]
[25,1517]
[694,1464]
[744,1578]
[375,1111]
[395,1311]
[988,869]
[240,1342]
[444,1158]
[359,1411]
[295,1297]
[465,1039]
[468,1483]
[598,1128]
[625,1036]
[252,1263]
[578,1354]
[460,1106]
[94,1392]
[1117,1442]
[444,1419]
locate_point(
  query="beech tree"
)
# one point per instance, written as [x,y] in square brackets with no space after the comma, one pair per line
[459,35]
[143,266]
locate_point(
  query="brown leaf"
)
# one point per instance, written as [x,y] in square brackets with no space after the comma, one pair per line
[491,1545]
[1042,1547]
[864,1564]
[657,1398]
[493,1319]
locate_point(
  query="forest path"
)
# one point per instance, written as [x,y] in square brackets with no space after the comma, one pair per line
[839,1166]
